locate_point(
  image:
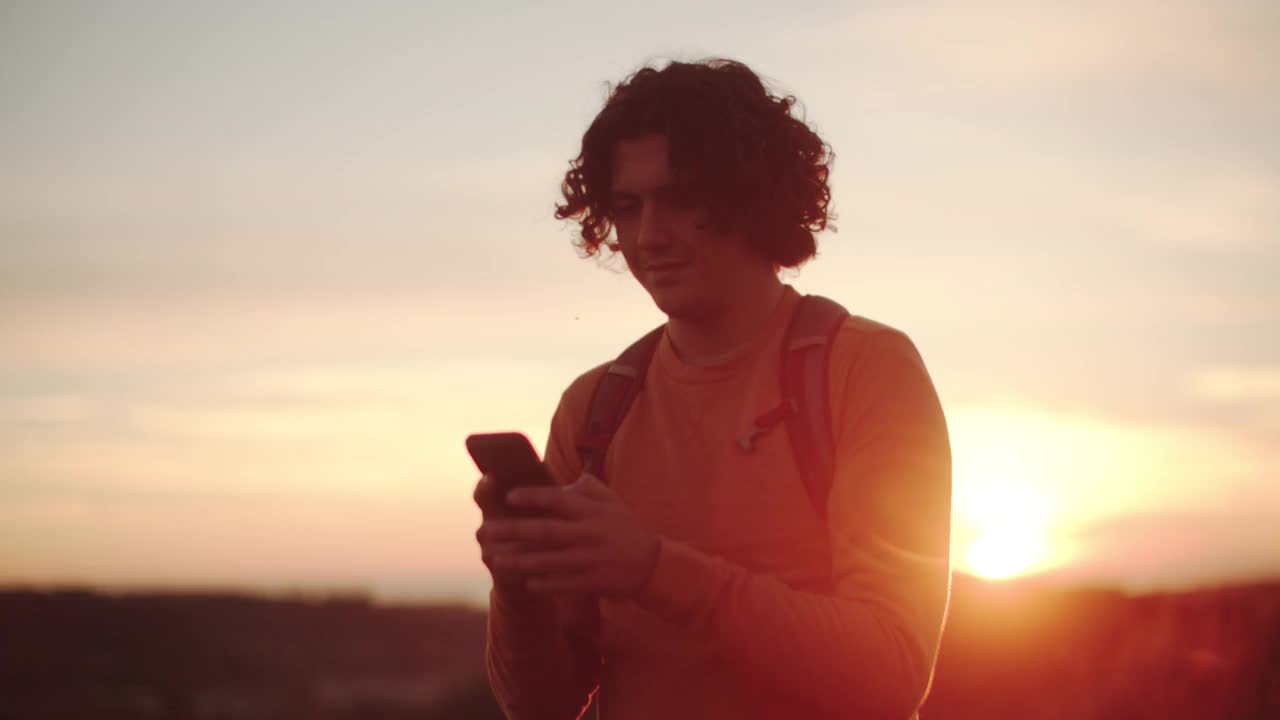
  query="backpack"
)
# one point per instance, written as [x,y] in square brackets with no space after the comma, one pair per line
[805,406]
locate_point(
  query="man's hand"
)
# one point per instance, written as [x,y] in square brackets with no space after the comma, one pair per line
[589,542]
[488,497]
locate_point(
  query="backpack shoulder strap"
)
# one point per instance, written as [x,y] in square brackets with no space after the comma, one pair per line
[613,396]
[806,386]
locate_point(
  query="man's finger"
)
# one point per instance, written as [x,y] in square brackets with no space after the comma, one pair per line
[592,487]
[487,495]
[547,562]
[494,551]
[534,531]
[562,501]
[567,584]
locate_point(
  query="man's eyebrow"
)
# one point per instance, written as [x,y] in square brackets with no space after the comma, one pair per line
[660,190]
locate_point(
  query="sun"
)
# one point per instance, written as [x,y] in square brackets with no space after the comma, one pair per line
[1004,552]
[1002,502]
[1007,529]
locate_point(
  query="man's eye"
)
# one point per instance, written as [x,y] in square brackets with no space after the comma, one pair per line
[684,200]
[682,197]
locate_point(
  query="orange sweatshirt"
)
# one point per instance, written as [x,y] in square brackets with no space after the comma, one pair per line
[758,607]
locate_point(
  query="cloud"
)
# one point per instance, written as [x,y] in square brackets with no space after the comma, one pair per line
[272,542]
[1235,384]
[1179,549]
[313,432]
[54,409]
[991,189]
[195,333]
[1078,468]
[1233,212]
[364,460]
[231,221]
[1137,503]
[1022,46]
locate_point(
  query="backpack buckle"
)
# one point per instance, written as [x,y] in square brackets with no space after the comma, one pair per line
[746,440]
[767,422]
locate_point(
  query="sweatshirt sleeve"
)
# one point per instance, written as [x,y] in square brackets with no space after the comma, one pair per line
[539,657]
[867,649]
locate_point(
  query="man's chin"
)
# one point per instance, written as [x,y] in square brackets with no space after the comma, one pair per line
[671,300]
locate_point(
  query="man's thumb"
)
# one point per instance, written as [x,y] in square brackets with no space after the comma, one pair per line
[591,486]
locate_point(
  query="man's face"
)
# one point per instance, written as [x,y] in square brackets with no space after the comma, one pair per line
[689,269]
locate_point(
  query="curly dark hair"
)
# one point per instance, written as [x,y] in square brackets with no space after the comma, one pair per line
[755,168]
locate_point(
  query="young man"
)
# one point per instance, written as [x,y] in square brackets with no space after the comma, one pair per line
[699,579]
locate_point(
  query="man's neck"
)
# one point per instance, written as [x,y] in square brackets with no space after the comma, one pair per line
[719,336]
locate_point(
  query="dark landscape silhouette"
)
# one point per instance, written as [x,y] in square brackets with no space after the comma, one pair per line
[1010,650]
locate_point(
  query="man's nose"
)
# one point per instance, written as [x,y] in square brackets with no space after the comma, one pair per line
[654,230]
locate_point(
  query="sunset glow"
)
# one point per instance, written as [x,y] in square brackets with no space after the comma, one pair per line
[253,300]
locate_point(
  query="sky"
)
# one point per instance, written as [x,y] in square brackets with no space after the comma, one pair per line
[264,266]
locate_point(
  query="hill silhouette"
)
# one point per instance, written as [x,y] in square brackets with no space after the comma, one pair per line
[1013,650]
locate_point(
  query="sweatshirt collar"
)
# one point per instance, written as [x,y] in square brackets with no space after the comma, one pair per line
[775,325]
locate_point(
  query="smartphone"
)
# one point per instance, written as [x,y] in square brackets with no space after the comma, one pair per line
[511,460]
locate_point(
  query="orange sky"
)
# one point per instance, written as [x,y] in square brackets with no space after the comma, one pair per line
[263,268]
